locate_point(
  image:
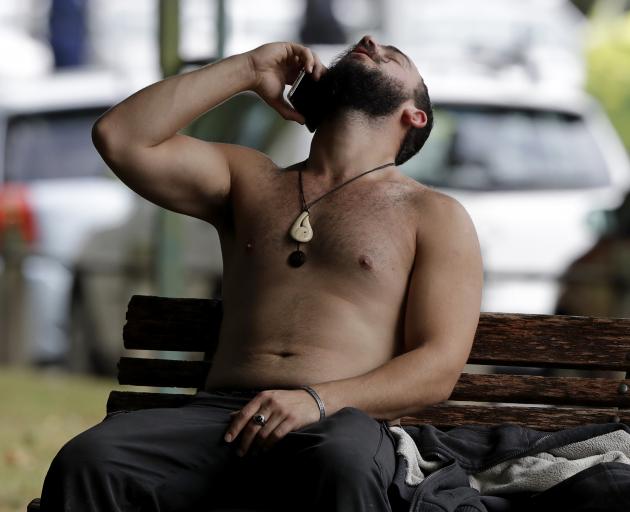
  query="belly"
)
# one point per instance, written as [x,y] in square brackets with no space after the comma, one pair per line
[301,340]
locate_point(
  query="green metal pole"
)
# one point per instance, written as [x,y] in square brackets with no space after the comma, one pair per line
[221,29]
[169,272]
[168,264]
[170,61]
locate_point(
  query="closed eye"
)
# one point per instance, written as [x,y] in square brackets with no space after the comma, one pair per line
[393,51]
[391,57]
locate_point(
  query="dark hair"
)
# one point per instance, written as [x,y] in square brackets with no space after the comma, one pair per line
[416,137]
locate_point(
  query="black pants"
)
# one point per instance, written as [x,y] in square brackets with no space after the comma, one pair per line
[169,460]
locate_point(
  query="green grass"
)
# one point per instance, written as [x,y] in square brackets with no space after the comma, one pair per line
[39,412]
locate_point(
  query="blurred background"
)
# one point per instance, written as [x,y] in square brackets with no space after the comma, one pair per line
[532,136]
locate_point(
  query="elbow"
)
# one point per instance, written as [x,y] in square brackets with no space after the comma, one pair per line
[445,393]
[110,146]
[110,140]
[440,392]
[102,136]
[446,387]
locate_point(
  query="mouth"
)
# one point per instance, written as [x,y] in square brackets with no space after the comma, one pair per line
[362,51]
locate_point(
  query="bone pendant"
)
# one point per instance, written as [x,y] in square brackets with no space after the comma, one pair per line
[301,230]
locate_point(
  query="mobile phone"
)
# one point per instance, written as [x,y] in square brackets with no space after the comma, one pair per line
[308,99]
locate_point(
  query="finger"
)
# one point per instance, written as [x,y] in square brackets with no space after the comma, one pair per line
[249,433]
[240,419]
[286,110]
[319,70]
[228,434]
[307,58]
[286,426]
[263,434]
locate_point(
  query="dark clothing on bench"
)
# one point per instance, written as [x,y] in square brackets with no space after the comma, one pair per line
[467,450]
[176,459]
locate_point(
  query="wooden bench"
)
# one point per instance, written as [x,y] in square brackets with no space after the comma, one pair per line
[598,348]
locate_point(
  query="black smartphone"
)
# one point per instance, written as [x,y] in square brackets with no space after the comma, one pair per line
[307,98]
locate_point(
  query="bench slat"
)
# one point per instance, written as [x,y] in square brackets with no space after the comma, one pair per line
[163,323]
[549,341]
[448,415]
[134,400]
[503,339]
[523,389]
[528,389]
[145,334]
[171,309]
[443,415]
[162,372]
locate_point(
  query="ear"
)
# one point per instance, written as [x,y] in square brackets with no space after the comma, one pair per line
[412,116]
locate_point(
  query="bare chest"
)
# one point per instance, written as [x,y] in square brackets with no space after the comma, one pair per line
[360,228]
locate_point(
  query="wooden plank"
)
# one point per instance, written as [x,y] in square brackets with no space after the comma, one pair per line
[449,415]
[444,415]
[502,339]
[162,372]
[173,309]
[156,334]
[165,323]
[552,340]
[135,400]
[528,389]
[525,389]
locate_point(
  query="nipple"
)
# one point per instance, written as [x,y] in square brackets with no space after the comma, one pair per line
[365,262]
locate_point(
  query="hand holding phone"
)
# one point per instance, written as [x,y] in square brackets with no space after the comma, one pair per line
[308,98]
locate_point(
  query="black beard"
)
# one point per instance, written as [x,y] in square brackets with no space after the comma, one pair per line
[350,85]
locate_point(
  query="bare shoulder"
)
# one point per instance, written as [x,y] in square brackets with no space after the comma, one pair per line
[436,210]
[440,219]
[443,208]
[243,158]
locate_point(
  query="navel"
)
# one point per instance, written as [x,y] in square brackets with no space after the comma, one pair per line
[365,262]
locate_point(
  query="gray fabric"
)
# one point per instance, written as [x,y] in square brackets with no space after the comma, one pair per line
[539,472]
[533,473]
[484,468]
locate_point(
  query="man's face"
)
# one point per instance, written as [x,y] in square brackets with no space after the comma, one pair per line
[370,78]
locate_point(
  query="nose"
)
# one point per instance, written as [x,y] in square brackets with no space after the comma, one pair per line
[368,42]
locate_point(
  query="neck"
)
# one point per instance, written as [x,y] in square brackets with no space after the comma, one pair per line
[350,143]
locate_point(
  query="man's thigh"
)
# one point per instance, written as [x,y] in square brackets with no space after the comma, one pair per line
[345,451]
[173,457]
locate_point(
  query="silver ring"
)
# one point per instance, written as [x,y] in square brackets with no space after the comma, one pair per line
[259,419]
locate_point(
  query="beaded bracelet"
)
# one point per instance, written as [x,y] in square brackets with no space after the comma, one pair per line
[320,404]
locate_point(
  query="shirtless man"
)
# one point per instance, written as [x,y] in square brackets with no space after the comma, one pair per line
[380,318]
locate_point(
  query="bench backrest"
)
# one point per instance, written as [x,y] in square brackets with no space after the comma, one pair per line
[508,345]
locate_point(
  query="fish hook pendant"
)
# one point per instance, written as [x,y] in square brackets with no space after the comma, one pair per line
[301,230]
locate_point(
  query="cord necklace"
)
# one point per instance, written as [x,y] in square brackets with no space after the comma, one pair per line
[301,230]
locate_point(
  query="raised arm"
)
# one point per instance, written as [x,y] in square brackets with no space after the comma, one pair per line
[138,137]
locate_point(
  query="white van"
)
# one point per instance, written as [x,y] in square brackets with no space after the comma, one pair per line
[49,167]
